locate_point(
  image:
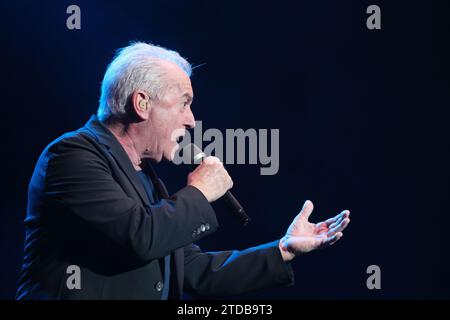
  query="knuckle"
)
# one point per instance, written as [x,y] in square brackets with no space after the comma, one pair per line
[217,161]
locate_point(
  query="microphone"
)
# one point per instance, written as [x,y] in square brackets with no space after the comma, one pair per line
[195,155]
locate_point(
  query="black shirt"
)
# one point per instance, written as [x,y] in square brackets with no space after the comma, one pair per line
[152,197]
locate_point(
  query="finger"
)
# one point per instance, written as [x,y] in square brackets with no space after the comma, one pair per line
[211,160]
[321,226]
[340,227]
[337,219]
[307,209]
[333,220]
[230,183]
[332,240]
[337,222]
[334,224]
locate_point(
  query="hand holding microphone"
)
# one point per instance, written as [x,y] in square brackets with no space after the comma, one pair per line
[211,178]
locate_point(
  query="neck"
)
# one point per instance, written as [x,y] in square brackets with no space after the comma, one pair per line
[123,134]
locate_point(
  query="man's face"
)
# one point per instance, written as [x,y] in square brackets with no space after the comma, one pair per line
[170,116]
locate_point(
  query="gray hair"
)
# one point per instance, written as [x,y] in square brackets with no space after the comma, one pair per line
[137,66]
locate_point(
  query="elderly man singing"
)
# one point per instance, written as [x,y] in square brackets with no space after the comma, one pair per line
[99,222]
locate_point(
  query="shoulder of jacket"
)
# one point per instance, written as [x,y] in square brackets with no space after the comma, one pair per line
[80,139]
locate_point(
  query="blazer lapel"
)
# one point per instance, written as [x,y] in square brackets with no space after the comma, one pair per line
[105,137]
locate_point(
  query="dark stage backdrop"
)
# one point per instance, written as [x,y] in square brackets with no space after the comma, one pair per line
[362,114]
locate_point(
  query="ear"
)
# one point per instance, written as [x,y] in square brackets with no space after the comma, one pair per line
[141,104]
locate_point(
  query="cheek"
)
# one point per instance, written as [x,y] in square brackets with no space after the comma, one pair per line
[168,126]
[168,134]
[173,127]
[161,124]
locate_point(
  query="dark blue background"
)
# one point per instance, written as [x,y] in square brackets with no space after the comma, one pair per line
[363,118]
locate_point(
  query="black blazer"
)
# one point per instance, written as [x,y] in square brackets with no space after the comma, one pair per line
[87,207]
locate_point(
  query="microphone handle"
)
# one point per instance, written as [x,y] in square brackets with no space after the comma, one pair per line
[230,201]
[235,208]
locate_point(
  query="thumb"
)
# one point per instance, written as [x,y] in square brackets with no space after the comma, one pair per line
[307,209]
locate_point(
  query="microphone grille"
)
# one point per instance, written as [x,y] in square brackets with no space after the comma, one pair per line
[192,154]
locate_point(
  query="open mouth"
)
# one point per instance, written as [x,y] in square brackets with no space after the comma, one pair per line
[177,135]
[179,138]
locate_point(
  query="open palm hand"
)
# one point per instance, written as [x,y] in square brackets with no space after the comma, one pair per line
[304,236]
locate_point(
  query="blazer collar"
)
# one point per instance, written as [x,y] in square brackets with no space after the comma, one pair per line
[105,137]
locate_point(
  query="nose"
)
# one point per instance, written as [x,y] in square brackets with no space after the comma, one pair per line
[189,121]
